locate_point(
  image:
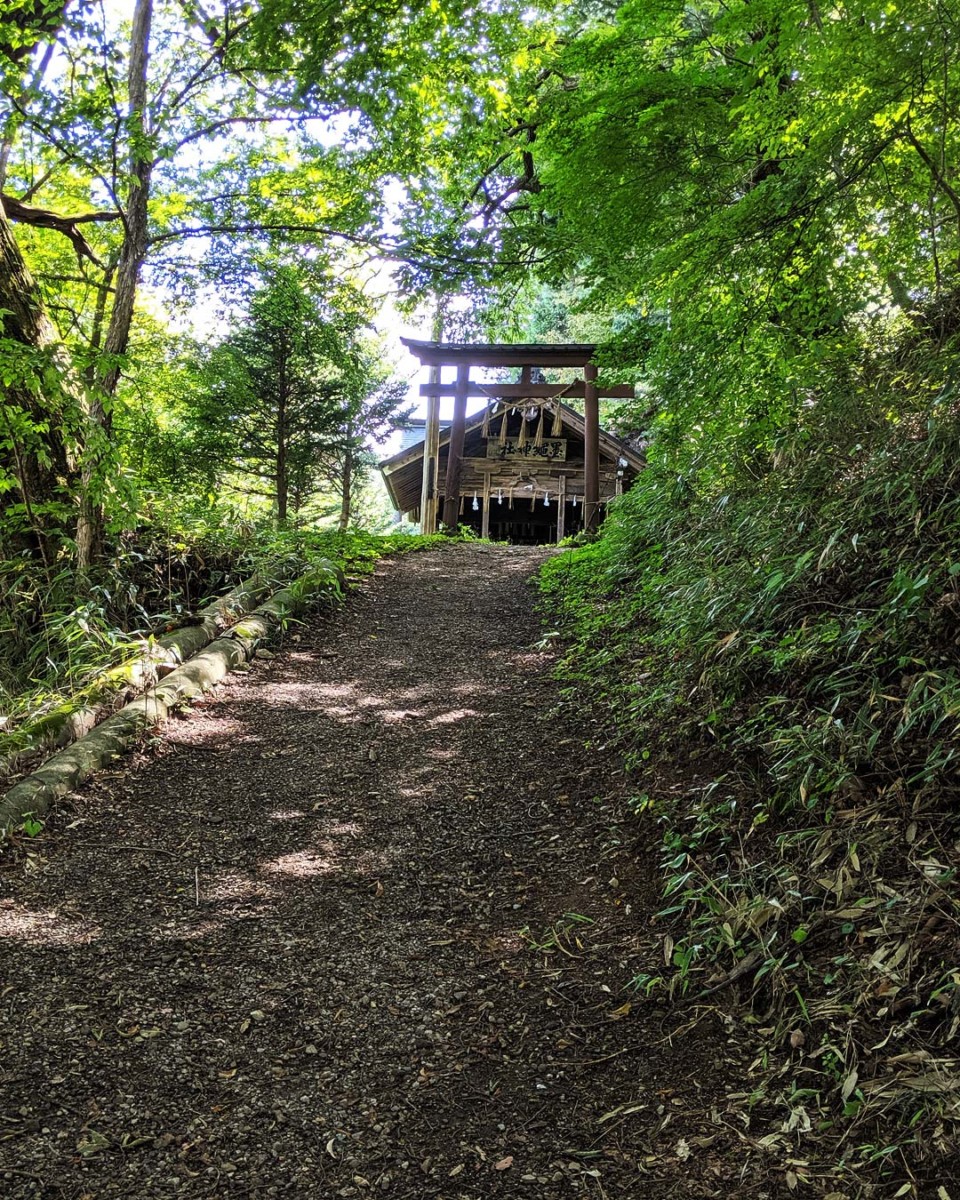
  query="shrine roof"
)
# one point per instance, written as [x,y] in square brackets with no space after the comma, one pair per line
[501,354]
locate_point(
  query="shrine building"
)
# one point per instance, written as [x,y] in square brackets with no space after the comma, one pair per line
[528,468]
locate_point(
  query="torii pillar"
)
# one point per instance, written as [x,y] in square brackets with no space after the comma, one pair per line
[431,461]
[591,449]
[451,492]
[429,499]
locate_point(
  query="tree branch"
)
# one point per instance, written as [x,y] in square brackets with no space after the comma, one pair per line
[196,231]
[938,175]
[43,218]
[58,278]
[215,127]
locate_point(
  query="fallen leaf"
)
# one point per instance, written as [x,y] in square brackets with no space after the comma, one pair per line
[503,1163]
[92,1144]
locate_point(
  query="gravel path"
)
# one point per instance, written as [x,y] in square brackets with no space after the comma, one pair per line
[361,925]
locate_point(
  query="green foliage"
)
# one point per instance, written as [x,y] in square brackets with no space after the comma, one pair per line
[750,142]
[263,128]
[800,620]
[284,410]
[272,393]
[757,200]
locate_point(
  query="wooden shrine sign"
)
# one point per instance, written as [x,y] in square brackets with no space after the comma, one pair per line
[552,449]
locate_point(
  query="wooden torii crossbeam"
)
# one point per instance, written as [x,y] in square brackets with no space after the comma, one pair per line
[463,356]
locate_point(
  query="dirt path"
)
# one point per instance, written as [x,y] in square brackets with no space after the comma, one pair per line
[281,953]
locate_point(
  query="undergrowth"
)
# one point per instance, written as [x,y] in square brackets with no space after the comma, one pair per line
[776,653]
[58,632]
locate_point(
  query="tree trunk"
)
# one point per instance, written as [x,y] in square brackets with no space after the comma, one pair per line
[283,487]
[132,255]
[100,315]
[346,494]
[39,407]
[40,404]
[134,249]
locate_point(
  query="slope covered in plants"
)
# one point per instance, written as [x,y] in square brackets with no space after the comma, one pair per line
[777,654]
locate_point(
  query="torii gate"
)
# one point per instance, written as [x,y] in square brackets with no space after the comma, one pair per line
[463,356]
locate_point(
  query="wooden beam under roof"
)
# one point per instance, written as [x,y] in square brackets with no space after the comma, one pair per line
[529,391]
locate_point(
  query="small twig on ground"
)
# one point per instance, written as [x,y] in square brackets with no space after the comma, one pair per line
[743,967]
[589,1062]
[147,850]
[685,1028]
